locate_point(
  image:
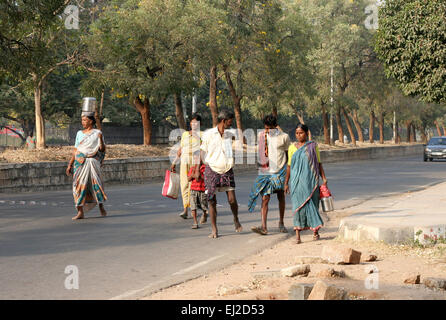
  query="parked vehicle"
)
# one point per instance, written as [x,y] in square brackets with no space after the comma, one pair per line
[435,149]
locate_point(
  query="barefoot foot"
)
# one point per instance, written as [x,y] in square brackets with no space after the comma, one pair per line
[79,216]
[238,226]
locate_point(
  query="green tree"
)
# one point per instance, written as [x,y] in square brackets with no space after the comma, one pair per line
[37,44]
[411,41]
[344,44]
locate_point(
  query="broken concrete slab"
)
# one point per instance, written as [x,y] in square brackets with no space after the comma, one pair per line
[340,255]
[330,273]
[300,291]
[413,279]
[302,269]
[323,291]
[435,283]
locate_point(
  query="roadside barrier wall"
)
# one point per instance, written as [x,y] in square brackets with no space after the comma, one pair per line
[44,176]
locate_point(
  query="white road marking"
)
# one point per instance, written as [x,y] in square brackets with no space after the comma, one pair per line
[131,293]
[198,265]
[135,203]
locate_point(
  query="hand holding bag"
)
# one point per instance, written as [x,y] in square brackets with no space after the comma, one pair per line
[326,199]
[171,186]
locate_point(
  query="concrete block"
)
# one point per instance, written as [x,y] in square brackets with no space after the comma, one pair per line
[330,273]
[435,283]
[323,291]
[369,258]
[341,255]
[413,279]
[293,271]
[300,291]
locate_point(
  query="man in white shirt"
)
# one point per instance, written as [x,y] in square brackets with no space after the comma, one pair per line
[218,175]
[273,154]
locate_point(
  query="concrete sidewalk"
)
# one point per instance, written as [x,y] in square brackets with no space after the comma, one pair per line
[415,216]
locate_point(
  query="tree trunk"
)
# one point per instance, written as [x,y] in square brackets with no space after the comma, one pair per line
[339,125]
[444,131]
[213,95]
[408,131]
[302,121]
[357,125]
[414,134]
[349,126]
[236,100]
[398,137]
[40,122]
[274,112]
[438,128]
[179,111]
[372,127]
[28,128]
[381,127]
[422,129]
[98,112]
[326,125]
[144,109]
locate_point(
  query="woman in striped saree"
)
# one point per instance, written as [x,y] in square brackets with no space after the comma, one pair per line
[88,189]
[302,181]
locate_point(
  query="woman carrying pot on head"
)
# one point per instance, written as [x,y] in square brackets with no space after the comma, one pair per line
[190,143]
[85,164]
[302,182]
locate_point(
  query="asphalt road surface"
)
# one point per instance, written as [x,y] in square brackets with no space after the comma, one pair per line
[143,244]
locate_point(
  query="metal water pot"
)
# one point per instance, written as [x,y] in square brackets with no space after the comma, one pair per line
[88,104]
[327,204]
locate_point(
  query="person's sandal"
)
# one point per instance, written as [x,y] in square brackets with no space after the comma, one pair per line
[183,215]
[316,237]
[195,226]
[282,228]
[259,230]
[298,241]
[204,218]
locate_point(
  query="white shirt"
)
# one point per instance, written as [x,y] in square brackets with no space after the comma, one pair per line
[219,155]
[278,143]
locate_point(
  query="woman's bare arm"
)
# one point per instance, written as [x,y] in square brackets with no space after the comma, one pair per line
[287,178]
[322,172]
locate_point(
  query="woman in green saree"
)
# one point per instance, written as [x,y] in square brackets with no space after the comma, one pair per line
[302,182]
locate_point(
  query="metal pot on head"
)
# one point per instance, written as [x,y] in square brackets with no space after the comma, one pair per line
[89,104]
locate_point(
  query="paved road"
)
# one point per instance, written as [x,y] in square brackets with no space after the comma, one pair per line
[143,245]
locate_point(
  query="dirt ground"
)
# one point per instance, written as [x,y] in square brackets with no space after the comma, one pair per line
[394,264]
[119,151]
[64,153]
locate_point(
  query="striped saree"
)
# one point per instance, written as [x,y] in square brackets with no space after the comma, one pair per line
[88,189]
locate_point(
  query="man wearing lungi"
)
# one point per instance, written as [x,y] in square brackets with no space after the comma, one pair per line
[218,175]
